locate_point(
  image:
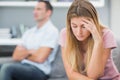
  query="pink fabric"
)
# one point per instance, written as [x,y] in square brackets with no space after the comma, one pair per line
[111,72]
[62,39]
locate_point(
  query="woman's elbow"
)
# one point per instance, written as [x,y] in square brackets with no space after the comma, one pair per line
[74,76]
[70,77]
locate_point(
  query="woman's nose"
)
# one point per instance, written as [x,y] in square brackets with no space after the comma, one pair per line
[79,31]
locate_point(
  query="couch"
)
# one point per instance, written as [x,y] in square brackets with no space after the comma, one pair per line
[58,72]
[116,54]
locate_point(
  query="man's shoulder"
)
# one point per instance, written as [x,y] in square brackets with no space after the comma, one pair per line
[30,30]
[52,28]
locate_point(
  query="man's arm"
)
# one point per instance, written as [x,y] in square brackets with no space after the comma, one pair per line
[39,55]
[20,53]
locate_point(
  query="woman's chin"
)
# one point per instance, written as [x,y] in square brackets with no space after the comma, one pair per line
[80,39]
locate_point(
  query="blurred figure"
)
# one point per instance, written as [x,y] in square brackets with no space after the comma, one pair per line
[37,50]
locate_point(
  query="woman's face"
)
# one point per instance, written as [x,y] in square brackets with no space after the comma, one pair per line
[78,28]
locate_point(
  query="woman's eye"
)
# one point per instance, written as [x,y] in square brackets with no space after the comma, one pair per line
[74,26]
[83,26]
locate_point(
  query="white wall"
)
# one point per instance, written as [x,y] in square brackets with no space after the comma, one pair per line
[115,17]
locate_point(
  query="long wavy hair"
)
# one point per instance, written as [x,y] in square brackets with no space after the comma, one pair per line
[80,8]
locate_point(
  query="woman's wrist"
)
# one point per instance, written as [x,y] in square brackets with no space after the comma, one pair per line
[99,42]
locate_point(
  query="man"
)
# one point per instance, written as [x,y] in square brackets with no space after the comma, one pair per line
[37,49]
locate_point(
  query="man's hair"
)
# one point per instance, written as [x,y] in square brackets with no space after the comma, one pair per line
[48,4]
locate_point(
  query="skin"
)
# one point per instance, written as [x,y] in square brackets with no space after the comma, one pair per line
[41,16]
[79,30]
[82,27]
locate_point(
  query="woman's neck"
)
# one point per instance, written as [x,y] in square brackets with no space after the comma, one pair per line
[83,47]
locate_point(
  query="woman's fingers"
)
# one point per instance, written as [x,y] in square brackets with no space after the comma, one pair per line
[88,21]
[89,25]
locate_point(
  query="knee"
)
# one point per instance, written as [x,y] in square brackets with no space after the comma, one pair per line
[7,67]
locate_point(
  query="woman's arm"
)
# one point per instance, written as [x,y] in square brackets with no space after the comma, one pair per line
[98,61]
[72,75]
[99,54]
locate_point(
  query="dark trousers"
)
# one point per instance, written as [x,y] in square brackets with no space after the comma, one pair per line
[18,71]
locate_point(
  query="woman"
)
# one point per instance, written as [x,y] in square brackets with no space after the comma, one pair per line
[86,45]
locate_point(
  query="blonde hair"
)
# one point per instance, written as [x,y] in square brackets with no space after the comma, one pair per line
[80,8]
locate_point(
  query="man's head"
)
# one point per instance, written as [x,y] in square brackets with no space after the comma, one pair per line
[43,10]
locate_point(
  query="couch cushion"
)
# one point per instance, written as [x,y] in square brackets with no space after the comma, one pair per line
[116,54]
[6,60]
[58,70]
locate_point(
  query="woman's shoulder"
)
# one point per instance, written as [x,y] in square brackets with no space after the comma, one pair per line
[62,39]
[108,38]
[106,32]
[63,30]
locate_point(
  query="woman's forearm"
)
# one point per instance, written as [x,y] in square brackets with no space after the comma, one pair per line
[96,67]
[78,76]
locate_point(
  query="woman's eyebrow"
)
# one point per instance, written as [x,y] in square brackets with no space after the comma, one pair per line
[73,23]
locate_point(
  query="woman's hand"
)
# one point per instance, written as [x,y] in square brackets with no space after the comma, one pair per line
[90,26]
